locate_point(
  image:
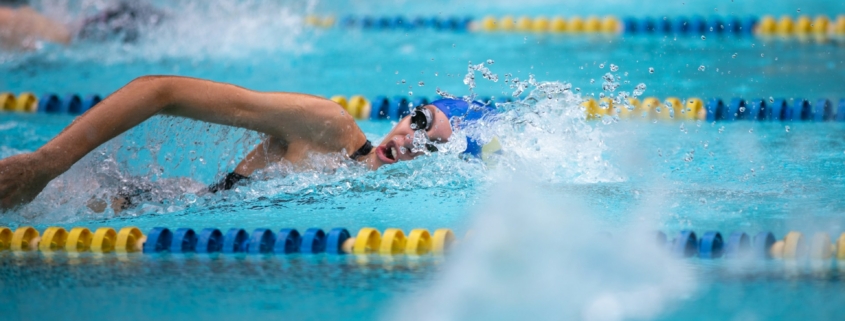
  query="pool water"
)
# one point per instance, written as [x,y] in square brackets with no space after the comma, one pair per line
[555,220]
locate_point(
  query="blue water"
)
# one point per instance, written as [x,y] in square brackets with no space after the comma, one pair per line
[620,178]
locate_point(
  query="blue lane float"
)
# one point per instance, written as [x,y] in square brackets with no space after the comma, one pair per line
[335,239]
[158,240]
[738,244]
[840,111]
[710,246]
[210,241]
[184,241]
[49,103]
[685,244]
[761,245]
[262,241]
[287,241]
[313,241]
[235,241]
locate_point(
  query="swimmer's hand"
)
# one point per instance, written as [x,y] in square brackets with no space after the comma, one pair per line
[22,177]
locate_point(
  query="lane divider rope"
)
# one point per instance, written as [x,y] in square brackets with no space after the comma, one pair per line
[802,25]
[649,108]
[686,243]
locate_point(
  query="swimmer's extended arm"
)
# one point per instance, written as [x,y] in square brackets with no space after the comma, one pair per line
[294,119]
[19,27]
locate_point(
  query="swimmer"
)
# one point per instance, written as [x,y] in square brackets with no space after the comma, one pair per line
[21,27]
[296,125]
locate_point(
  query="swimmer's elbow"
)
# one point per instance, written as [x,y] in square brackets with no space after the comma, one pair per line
[156,90]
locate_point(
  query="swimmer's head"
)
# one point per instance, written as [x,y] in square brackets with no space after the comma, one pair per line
[427,126]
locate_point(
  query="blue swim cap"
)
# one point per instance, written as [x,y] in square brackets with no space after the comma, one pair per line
[457,108]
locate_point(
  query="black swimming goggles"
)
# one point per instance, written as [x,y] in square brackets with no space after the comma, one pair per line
[422,120]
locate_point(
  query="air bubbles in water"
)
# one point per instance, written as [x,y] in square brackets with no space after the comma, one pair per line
[787,129]
[490,61]
[614,68]
[701,68]
[771,100]
[761,55]
[601,66]
[650,70]
[403,81]
[592,81]
[733,56]
[639,90]
[421,84]
[703,37]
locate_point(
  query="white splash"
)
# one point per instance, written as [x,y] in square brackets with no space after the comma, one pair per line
[530,258]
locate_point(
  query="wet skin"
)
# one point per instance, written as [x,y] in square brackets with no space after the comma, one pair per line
[296,126]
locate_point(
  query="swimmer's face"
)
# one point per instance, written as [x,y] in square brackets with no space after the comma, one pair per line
[398,145]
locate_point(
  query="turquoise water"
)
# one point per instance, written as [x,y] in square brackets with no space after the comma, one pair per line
[538,216]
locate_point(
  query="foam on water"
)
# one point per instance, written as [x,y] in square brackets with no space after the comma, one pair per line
[192,29]
[531,258]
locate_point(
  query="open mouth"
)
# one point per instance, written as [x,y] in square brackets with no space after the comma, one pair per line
[388,153]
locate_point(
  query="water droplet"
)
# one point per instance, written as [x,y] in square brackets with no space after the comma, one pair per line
[403,81]
[614,68]
[453,45]
[702,200]
[741,109]
[490,61]
[751,130]
[787,129]
[711,29]
[733,56]
[397,72]
[701,68]
[592,81]
[761,55]
[601,66]
[703,37]
[639,90]
[799,10]
[410,93]
[650,70]
[577,89]
[421,84]
[771,100]
[436,74]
